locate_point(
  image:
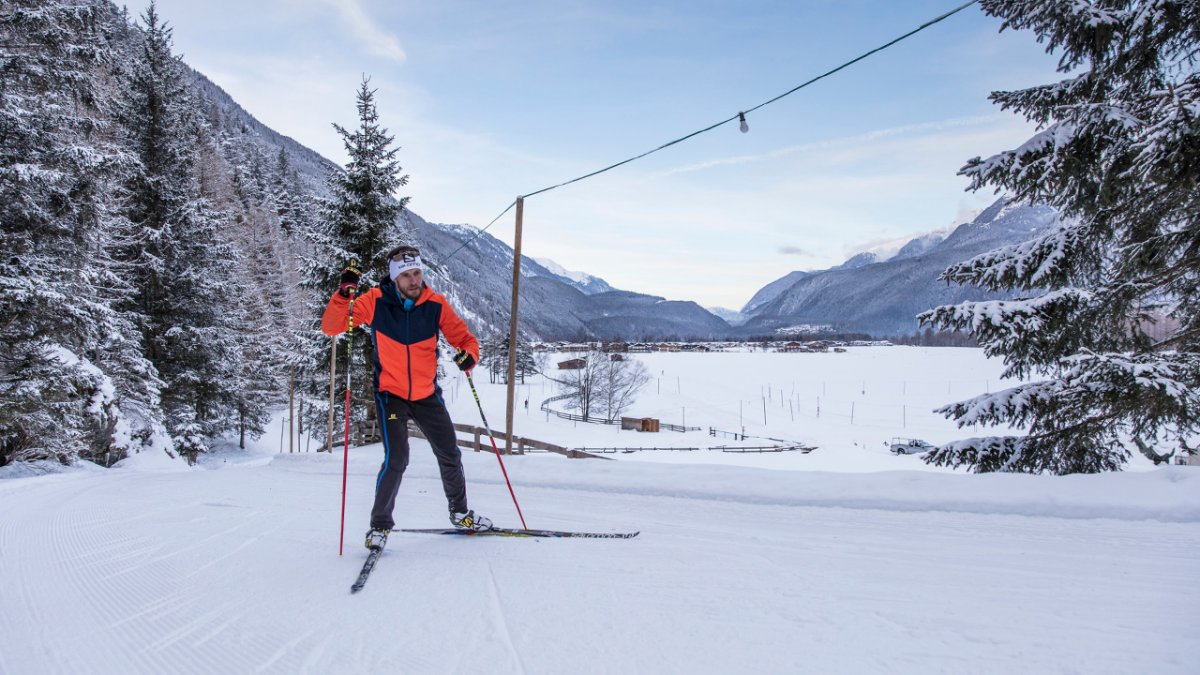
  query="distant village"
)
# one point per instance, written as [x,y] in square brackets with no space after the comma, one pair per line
[618,349]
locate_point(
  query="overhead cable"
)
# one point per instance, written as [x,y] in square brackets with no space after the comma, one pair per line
[739,117]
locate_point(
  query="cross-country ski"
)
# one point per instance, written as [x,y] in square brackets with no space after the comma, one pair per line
[372,557]
[509,532]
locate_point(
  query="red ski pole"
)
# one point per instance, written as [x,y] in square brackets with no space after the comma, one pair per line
[493,440]
[346,445]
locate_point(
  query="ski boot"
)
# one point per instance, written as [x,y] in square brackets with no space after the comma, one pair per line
[376,538]
[469,521]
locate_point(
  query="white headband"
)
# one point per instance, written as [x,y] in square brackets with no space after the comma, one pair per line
[397,267]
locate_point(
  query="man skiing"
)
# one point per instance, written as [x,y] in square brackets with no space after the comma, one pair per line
[406,317]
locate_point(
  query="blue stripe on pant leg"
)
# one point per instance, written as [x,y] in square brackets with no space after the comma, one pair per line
[387,448]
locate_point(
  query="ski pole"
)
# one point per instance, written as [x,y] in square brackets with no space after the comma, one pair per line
[488,428]
[346,446]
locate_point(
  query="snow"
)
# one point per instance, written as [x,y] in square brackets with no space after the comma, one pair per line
[850,405]
[578,277]
[847,559]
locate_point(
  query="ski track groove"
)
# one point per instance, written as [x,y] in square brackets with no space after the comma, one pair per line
[100,569]
[72,530]
[283,651]
[228,554]
[498,613]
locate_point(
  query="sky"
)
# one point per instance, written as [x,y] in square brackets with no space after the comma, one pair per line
[491,100]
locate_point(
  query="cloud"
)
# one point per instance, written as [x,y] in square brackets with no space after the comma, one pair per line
[793,250]
[868,139]
[966,212]
[376,40]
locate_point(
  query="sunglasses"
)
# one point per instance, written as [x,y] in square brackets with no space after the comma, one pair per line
[404,254]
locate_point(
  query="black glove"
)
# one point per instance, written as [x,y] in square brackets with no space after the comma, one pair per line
[464,360]
[349,281]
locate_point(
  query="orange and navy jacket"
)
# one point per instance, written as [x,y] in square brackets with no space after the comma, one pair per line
[405,340]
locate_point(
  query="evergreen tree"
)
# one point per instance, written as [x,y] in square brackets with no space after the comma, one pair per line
[1118,153]
[493,355]
[184,262]
[73,382]
[358,222]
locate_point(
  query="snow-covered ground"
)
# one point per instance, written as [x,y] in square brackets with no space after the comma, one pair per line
[860,562]
[849,405]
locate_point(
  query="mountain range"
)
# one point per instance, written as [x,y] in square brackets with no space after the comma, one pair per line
[865,294]
[883,297]
[862,295]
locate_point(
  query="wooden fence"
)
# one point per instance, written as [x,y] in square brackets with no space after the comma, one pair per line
[612,451]
[521,444]
[366,432]
[803,449]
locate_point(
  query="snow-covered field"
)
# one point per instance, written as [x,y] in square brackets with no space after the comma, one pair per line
[849,405]
[850,561]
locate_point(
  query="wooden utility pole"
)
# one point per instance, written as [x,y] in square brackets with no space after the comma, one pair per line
[512,330]
[332,374]
[291,408]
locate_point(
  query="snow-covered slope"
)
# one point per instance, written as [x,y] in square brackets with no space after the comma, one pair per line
[234,567]
[833,565]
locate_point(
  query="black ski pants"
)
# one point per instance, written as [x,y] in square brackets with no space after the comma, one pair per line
[432,418]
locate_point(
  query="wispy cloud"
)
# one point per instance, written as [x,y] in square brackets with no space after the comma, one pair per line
[376,40]
[849,141]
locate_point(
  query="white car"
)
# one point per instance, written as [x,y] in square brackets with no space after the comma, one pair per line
[909,446]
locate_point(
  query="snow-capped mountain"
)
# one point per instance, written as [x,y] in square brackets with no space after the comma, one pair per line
[581,280]
[731,316]
[771,291]
[860,260]
[883,297]
[920,245]
[553,307]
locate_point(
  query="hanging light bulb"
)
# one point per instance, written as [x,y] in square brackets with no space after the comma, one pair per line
[742,123]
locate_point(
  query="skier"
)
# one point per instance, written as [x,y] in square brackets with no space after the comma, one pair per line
[406,317]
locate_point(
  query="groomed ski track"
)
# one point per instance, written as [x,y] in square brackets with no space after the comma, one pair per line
[232,567]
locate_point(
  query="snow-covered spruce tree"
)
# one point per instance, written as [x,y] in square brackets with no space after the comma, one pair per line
[73,382]
[358,222]
[1110,318]
[184,265]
